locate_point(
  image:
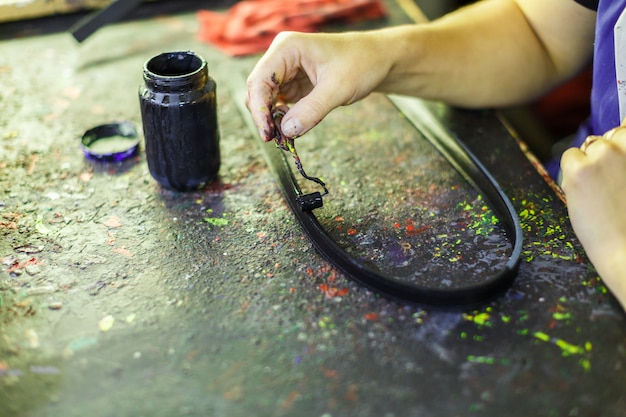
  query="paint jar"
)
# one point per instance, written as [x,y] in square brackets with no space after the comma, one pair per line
[179,116]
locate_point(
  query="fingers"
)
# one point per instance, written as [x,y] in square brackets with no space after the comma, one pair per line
[263,86]
[572,161]
[614,138]
[311,71]
[599,147]
[588,141]
[617,135]
[594,156]
[262,92]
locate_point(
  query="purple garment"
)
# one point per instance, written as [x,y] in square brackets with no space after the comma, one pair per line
[604,103]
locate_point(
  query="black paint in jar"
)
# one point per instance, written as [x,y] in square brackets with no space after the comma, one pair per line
[179,114]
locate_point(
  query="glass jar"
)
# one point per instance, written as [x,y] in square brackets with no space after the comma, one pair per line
[179,115]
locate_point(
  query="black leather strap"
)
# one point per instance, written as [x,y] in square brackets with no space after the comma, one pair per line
[464,162]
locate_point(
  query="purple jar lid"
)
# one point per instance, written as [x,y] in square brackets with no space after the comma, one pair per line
[113,142]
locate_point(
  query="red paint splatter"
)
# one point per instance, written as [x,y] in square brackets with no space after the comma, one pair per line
[351,232]
[342,292]
[217,187]
[333,291]
[123,251]
[352,393]
[16,266]
[412,231]
[288,402]
[33,161]
[8,225]
[113,222]
[333,276]
[330,373]
[371,316]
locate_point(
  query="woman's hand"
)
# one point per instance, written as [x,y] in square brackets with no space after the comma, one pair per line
[315,72]
[594,181]
[476,57]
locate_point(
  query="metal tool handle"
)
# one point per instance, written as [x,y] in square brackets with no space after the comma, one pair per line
[113,12]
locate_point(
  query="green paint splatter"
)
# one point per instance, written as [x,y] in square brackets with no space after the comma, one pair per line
[562,316]
[567,348]
[216,221]
[586,364]
[481,359]
[326,323]
[543,222]
[488,360]
[482,319]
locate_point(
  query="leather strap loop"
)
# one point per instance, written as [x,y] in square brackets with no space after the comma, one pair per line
[471,170]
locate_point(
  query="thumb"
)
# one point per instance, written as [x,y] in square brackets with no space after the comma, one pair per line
[310,110]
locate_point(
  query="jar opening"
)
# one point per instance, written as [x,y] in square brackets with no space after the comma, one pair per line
[175,64]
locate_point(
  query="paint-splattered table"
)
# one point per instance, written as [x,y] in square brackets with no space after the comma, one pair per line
[121,298]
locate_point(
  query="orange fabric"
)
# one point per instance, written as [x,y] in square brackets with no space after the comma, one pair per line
[250,26]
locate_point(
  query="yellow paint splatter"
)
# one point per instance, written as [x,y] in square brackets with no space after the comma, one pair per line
[482,319]
[106,323]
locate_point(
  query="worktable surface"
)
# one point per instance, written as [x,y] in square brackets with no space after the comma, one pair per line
[120,298]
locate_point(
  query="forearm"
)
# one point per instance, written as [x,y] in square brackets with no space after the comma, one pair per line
[487,54]
[493,53]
